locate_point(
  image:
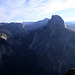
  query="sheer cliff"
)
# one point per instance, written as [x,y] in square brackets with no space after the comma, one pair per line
[54,46]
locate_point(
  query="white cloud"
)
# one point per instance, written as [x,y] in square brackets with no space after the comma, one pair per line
[31,9]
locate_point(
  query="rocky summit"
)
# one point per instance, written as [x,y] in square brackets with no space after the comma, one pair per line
[54,47]
[56,21]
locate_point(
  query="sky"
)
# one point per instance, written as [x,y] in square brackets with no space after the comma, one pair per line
[34,10]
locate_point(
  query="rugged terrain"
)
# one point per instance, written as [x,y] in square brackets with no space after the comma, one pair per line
[54,46]
[41,50]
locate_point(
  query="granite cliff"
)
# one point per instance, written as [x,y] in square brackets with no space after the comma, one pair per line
[5,49]
[54,46]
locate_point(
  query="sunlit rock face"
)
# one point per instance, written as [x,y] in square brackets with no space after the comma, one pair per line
[54,46]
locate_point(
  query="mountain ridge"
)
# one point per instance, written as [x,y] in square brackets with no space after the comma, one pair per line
[52,48]
[45,50]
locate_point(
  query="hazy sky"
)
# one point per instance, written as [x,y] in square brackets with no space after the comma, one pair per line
[33,10]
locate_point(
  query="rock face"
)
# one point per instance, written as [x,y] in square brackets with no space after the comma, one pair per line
[5,49]
[54,46]
[56,21]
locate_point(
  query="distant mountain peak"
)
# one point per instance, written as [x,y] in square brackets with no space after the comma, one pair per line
[56,21]
[46,19]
